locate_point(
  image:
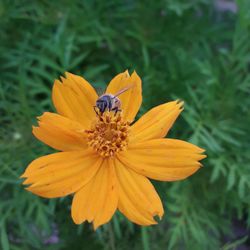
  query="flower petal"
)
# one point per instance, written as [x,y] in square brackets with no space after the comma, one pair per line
[163,159]
[60,132]
[138,200]
[131,99]
[75,98]
[156,122]
[97,201]
[60,174]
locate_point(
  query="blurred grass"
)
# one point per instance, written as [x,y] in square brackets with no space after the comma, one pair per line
[186,50]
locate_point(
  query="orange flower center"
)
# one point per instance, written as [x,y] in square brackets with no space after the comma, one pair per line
[109,134]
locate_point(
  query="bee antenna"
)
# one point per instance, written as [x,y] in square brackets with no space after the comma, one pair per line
[123,90]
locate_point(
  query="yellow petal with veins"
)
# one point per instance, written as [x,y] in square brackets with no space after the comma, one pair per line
[60,132]
[163,159]
[97,201]
[60,174]
[75,99]
[138,200]
[156,122]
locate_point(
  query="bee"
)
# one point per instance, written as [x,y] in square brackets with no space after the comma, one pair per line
[109,102]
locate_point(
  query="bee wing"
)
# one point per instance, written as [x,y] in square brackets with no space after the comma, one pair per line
[100,91]
[124,90]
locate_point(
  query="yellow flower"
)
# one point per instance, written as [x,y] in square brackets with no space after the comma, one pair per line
[106,159]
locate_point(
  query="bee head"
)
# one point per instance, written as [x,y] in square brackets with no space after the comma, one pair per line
[104,103]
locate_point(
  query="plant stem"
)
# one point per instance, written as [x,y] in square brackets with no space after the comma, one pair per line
[111,237]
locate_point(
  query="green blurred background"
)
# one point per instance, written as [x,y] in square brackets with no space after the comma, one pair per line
[196,50]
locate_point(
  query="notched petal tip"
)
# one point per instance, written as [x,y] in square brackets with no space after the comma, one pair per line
[57,83]
[76,220]
[135,76]
[198,149]
[63,79]
[34,130]
[202,150]
[44,116]
[68,74]
[179,105]
[26,181]
[28,188]
[126,72]
[39,118]
[179,101]
[96,225]
[203,157]
[158,217]
[22,176]
[36,193]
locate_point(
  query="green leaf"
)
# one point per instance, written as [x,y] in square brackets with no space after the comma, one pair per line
[4,238]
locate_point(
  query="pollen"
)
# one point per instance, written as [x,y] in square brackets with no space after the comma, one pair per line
[109,134]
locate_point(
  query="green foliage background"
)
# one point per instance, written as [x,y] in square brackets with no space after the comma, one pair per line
[181,49]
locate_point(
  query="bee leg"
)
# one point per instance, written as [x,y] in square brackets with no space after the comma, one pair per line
[96,110]
[116,109]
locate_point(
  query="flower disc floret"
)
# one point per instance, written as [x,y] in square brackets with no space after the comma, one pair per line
[109,134]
